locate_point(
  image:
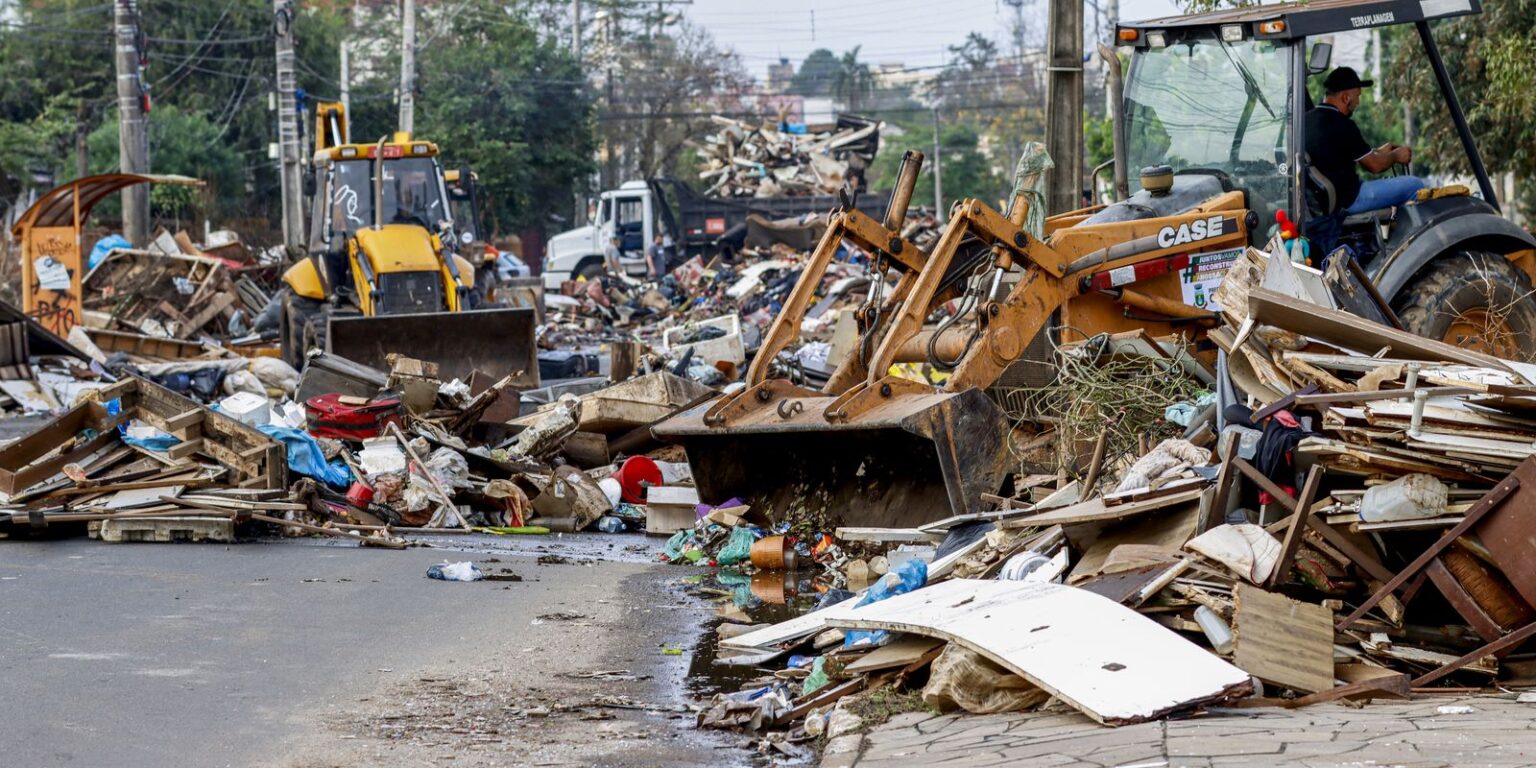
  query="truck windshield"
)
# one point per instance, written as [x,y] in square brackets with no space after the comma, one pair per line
[1209,104]
[412,194]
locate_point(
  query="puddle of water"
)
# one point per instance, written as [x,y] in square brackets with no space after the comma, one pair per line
[767,597]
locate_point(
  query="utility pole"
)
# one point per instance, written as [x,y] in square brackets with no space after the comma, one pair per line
[132,139]
[346,78]
[408,68]
[289,154]
[1064,105]
[938,170]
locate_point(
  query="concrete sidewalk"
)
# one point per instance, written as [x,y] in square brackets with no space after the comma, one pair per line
[1413,734]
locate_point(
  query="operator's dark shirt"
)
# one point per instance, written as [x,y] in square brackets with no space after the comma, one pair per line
[1335,144]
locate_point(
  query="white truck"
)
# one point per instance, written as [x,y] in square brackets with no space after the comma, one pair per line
[637,210]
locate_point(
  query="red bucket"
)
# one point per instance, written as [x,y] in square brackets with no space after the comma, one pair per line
[634,476]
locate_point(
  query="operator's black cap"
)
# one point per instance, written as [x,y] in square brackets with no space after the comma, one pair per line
[1343,79]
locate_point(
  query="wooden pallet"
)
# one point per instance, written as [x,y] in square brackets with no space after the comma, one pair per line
[164,529]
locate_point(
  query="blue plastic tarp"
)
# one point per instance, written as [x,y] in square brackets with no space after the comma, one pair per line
[306,458]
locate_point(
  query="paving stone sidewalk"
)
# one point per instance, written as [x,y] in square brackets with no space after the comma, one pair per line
[1412,734]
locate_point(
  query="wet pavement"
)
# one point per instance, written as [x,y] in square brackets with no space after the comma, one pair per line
[299,654]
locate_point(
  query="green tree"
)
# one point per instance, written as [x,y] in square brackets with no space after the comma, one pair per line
[816,74]
[510,103]
[185,144]
[853,84]
[1493,66]
[967,172]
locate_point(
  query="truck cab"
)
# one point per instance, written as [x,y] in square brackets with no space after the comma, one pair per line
[628,212]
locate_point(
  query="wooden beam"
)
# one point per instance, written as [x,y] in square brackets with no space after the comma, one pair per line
[1298,524]
[1281,497]
[1457,596]
[1508,641]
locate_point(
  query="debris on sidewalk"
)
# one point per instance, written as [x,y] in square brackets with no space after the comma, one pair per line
[1349,523]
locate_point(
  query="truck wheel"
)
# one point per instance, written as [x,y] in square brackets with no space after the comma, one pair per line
[1475,300]
[300,316]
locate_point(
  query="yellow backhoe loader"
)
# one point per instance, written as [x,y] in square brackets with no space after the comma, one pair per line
[383,273]
[1213,110]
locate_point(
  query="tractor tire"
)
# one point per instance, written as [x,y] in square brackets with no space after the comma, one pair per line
[1474,300]
[591,271]
[300,317]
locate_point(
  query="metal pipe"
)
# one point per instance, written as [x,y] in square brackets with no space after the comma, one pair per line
[1116,77]
[901,195]
[1420,398]
[1448,91]
[948,347]
[1158,304]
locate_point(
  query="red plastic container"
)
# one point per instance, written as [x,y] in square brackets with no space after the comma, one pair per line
[634,476]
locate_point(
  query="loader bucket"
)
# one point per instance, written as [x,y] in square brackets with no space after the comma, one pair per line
[910,461]
[495,341]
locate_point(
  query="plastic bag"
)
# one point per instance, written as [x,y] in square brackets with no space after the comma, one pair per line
[276,374]
[817,679]
[738,548]
[912,574]
[673,549]
[306,458]
[105,246]
[463,571]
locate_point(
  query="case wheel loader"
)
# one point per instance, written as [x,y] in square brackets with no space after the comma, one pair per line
[383,273]
[1213,109]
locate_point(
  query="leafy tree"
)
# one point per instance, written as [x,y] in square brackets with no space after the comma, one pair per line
[182,143]
[664,92]
[816,74]
[853,84]
[508,102]
[967,172]
[1493,66]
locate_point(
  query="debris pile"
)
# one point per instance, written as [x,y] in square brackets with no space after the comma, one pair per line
[784,160]
[1350,522]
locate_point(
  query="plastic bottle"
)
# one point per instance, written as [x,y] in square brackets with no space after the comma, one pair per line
[610,524]
[1215,629]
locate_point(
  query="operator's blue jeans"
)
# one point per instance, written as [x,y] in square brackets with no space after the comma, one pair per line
[1385,193]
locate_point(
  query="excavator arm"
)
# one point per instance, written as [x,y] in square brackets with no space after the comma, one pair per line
[882,239]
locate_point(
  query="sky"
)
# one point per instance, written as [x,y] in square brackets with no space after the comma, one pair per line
[910,32]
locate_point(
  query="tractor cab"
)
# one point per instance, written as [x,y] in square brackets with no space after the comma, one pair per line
[1220,99]
[1217,102]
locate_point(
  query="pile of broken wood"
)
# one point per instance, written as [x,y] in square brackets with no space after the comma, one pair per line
[1363,526]
[746,160]
[175,289]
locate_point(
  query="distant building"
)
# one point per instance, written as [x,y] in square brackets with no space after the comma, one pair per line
[779,76]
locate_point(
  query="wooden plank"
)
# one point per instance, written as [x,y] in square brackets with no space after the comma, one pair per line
[1355,333]
[1104,659]
[212,309]
[899,653]
[1292,539]
[1510,536]
[1457,596]
[1216,514]
[1282,641]
[1362,559]
[1095,511]
[1508,641]
[1393,684]
[1281,497]
[894,535]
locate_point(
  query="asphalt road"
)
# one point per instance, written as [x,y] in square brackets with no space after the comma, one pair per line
[209,655]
